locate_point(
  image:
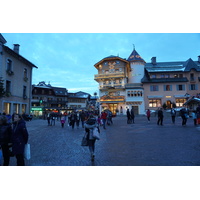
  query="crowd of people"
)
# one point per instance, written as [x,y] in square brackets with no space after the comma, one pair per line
[14,134]
[83,119]
[184,113]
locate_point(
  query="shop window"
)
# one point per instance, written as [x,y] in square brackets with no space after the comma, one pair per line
[180,102]
[153,103]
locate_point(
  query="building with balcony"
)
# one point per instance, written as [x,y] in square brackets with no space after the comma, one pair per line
[16,76]
[120,83]
[127,83]
[46,98]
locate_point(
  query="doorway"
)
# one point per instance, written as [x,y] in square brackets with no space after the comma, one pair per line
[112,107]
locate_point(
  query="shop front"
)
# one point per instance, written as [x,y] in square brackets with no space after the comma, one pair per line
[112,103]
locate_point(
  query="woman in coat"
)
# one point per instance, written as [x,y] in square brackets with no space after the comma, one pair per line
[90,125]
[19,139]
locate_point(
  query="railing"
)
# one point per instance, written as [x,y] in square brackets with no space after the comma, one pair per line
[111,85]
[118,74]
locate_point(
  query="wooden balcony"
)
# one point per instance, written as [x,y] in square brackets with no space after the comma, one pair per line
[109,75]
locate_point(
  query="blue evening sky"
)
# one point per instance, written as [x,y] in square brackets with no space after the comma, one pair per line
[67,59]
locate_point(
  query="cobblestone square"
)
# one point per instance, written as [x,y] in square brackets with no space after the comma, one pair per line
[121,144]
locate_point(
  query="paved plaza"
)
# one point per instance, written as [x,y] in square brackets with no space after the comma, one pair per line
[121,144]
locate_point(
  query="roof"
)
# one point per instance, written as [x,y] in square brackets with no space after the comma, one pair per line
[80,95]
[190,64]
[163,80]
[192,100]
[111,57]
[135,57]
[2,39]
[178,66]
[18,56]
[59,91]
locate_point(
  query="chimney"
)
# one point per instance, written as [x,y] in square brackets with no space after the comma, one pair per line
[199,59]
[16,48]
[153,60]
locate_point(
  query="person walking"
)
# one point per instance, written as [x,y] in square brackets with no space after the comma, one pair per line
[128,114]
[160,117]
[62,121]
[173,115]
[19,139]
[78,118]
[48,119]
[53,119]
[5,139]
[72,119]
[132,115]
[90,125]
[104,118]
[82,118]
[148,114]
[184,115]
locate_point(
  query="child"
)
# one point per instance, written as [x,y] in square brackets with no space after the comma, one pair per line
[62,120]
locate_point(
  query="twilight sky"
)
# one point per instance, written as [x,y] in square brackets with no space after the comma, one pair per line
[67,59]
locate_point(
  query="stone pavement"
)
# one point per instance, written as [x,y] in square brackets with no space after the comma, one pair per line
[121,144]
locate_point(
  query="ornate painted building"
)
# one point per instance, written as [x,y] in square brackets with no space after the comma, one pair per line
[120,83]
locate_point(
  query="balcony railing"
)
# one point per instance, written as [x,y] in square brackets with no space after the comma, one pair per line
[110,75]
[106,86]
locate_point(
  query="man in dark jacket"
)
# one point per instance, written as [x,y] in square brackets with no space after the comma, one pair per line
[160,117]
[83,118]
[132,115]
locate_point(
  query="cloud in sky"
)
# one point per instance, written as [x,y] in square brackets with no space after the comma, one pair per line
[67,59]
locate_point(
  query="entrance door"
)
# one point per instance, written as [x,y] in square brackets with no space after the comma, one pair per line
[112,107]
[169,104]
[136,111]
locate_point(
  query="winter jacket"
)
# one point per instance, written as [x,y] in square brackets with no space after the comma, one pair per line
[5,134]
[19,137]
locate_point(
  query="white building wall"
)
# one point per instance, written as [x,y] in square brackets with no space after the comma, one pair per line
[137,72]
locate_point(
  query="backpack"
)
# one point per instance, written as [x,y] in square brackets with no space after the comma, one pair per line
[91,121]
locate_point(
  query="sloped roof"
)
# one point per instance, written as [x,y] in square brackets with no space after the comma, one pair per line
[2,39]
[178,66]
[110,58]
[135,57]
[18,56]
[190,64]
